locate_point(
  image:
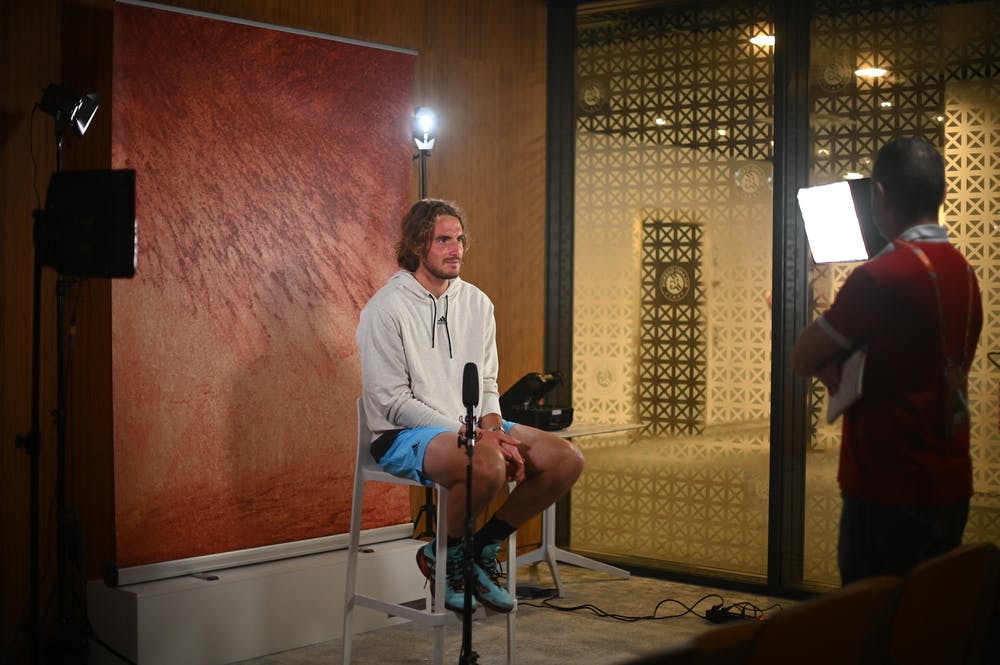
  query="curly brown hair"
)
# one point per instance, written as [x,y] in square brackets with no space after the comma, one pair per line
[418,227]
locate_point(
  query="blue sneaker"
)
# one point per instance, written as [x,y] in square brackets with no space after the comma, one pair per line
[486,580]
[454,584]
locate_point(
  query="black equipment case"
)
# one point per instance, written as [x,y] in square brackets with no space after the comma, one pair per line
[521,402]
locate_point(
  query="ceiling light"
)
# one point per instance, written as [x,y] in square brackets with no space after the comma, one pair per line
[871,72]
[762,40]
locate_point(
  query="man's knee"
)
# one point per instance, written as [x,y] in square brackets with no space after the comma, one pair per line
[489,467]
[574,462]
[565,461]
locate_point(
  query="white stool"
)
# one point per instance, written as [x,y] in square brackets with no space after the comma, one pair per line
[435,615]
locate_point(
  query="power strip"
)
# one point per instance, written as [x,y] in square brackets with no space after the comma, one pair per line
[724,613]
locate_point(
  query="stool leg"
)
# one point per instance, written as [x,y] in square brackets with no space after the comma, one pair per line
[351,578]
[512,590]
[441,570]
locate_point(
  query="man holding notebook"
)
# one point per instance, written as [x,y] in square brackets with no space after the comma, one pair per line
[914,311]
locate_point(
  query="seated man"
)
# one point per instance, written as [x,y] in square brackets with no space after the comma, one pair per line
[415,336]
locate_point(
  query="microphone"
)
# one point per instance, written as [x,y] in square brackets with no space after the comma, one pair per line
[470,386]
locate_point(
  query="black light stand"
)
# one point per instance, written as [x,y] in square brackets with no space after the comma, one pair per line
[470,398]
[424,134]
[68,110]
[31,443]
[87,229]
[424,128]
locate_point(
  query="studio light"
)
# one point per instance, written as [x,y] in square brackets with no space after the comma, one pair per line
[69,109]
[424,127]
[838,221]
[424,132]
[88,227]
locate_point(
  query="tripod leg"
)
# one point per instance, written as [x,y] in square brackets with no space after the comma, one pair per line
[427,510]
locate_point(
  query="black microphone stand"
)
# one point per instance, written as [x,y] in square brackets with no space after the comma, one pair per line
[467,655]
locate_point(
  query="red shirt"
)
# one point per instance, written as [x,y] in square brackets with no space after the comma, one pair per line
[894,448]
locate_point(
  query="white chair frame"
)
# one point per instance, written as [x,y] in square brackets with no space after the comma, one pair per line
[435,615]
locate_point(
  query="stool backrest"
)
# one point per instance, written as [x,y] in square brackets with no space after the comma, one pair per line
[945,607]
[840,626]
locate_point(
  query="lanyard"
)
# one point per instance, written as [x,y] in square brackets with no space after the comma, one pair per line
[937,294]
[956,376]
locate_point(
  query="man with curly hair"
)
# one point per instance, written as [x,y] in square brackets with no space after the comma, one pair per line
[415,336]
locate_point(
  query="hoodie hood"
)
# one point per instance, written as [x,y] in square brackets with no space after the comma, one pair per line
[437,321]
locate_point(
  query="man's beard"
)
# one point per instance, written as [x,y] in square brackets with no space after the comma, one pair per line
[437,273]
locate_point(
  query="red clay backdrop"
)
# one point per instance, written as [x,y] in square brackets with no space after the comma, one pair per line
[272,169]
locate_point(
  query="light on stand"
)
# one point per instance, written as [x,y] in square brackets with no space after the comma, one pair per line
[424,133]
[88,227]
[838,221]
[69,110]
[424,127]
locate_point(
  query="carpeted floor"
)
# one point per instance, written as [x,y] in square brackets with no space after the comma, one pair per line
[601,620]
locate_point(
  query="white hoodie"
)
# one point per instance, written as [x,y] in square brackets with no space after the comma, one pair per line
[414,348]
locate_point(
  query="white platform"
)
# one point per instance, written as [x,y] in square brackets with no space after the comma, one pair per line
[248,611]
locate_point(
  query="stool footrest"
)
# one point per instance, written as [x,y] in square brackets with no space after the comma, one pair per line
[428,618]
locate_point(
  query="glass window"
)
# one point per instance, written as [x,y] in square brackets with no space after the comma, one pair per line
[671,286]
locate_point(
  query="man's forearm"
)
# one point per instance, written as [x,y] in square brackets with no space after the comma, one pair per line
[490,420]
[813,349]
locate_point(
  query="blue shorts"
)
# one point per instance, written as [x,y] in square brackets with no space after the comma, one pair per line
[405,455]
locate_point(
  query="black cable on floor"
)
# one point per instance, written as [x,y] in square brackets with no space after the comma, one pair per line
[737,610]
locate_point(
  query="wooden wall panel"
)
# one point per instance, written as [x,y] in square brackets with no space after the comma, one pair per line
[481,65]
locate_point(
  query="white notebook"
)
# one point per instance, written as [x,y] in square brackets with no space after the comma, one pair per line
[851,377]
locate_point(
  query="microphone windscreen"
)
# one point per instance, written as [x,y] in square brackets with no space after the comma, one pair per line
[470,386]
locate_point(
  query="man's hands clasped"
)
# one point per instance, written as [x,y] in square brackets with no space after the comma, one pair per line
[506,444]
[508,447]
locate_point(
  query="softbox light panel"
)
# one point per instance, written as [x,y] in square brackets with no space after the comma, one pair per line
[838,221]
[88,227]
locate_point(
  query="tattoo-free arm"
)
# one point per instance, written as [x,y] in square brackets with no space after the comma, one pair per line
[813,349]
[818,354]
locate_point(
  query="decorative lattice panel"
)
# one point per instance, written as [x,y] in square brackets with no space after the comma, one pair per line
[972,215]
[671,374]
[658,129]
[674,125]
[702,502]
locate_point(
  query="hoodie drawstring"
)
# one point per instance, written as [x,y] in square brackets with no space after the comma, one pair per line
[435,321]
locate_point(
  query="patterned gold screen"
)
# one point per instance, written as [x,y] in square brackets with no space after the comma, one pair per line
[671,284]
[674,127]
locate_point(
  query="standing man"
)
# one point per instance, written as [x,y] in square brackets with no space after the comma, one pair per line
[905,470]
[415,337]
